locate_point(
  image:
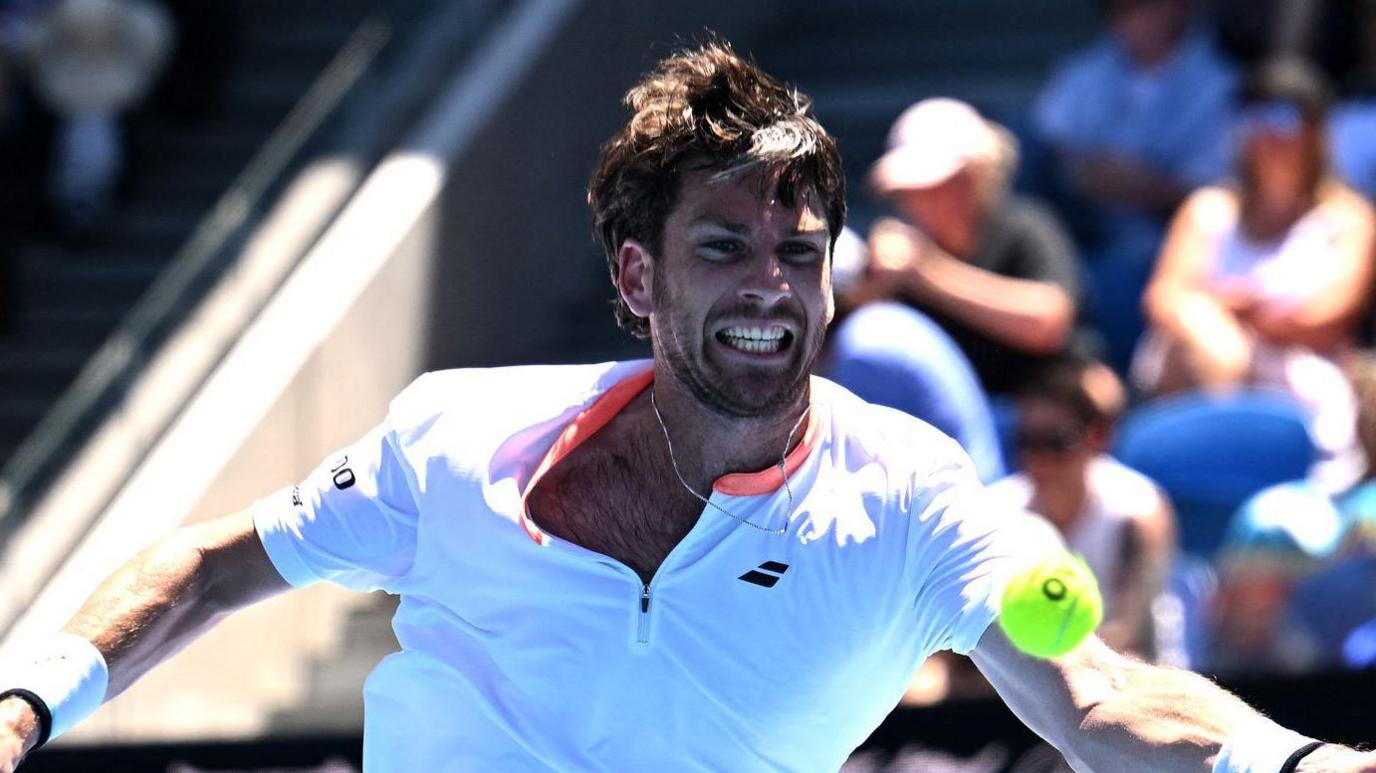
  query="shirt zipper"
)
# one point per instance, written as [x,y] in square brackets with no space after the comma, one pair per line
[643,629]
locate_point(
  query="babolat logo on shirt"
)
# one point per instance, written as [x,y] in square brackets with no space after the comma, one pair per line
[340,473]
[766,575]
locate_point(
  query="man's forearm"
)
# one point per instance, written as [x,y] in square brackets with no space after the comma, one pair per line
[1181,722]
[146,611]
[154,605]
[1025,314]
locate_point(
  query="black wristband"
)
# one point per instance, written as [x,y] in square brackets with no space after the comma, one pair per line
[40,709]
[1293,760]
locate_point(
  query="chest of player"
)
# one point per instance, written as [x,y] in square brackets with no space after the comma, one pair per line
[822,608]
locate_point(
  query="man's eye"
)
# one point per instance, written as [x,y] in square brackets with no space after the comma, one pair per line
[800,252]
[722,247]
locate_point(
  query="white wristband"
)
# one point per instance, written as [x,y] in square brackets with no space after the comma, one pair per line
[1258,746]
[67,673]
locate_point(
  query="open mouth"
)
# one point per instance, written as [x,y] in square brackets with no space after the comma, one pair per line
[756,339]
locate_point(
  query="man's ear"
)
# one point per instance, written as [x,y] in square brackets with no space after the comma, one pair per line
[1101,436]
[635,277]
[829,291]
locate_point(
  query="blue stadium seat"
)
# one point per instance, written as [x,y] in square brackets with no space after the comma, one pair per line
[1212,451]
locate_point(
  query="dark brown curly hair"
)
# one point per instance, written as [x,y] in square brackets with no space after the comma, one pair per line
[710,108]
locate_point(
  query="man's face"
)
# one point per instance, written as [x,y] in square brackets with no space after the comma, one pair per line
[741,293]
[948,212]
[1052,443]
[1150,29]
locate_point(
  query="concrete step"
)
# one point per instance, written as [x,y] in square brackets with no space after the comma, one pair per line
[70,320]
[49,364]
[152,231]
[20,413]
[116,279]
[316,34]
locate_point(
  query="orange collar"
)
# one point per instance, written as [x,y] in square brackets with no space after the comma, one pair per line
[593,418]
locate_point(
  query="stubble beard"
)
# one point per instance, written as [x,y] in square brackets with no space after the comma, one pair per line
[715,389]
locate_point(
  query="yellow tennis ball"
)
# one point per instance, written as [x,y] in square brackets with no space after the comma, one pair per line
[1048,608]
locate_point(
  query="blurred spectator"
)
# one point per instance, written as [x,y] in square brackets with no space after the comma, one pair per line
[1137,120]
[1277,538]
[1353,130]
[1263,282]
[996,273]
[1358,504]
[91,60]
[1112,515]
[1132,123]
[1329,611]
[892,355]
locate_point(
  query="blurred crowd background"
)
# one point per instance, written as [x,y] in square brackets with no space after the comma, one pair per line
[1144,305]
[1145,309]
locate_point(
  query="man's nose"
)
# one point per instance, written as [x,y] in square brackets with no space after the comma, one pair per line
[766,283]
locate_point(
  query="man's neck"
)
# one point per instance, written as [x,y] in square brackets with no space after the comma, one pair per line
[1062,501]
[708,443]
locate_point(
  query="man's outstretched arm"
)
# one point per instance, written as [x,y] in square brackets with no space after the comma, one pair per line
[1107,712]
[155,605]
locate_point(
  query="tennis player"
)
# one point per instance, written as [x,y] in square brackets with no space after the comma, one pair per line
[707,561]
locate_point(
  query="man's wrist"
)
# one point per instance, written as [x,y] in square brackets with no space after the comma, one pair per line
[1332,756]
[64,679]
[1258,745]
[21,718]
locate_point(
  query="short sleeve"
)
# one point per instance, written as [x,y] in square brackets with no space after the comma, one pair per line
[1045,252]
[352,521]
[965,544]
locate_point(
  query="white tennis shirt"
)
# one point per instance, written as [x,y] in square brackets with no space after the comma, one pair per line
[748,651]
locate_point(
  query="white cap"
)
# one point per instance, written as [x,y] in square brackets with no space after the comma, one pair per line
[930,142]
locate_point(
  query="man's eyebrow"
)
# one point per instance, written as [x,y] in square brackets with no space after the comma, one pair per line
[712,220]
[740,228]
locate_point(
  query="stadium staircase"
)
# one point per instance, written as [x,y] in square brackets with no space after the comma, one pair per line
[71,297]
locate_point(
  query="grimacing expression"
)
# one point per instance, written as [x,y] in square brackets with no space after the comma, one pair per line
[740,292]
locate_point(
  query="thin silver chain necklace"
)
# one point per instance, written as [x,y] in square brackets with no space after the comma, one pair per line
[783,471]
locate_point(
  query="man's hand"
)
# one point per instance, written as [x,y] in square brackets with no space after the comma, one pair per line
[18,732]
[1121,179]
[896,254]
[1331,758]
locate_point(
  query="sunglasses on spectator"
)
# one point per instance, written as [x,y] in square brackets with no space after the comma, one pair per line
[1056,441]
[1278,118]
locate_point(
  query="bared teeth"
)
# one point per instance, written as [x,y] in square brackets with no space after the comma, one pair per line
[755,332]
[764,338]
[754,346]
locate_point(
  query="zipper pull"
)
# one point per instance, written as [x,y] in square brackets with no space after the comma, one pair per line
[642,629]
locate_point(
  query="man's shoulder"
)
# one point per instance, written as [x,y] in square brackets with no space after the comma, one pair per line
[504,393]
[1093,63]
[1123,490]
[895,440]
[1024,217]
